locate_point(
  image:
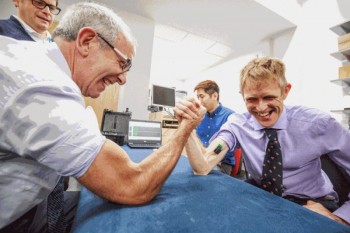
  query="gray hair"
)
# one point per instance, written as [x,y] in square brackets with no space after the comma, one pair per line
[96,16]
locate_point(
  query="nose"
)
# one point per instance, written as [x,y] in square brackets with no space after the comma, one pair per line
[261,106]
[46,9]
[121,80]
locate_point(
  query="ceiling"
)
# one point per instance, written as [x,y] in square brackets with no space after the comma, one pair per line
[195,35]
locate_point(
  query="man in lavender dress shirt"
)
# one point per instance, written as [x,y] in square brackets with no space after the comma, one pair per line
[303,133]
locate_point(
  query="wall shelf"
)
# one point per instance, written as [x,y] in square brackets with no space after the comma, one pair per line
[342,81]
[344,111]
[342,55]
[342,28]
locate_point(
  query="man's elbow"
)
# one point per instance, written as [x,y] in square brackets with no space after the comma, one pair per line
[133,198]
[202,172]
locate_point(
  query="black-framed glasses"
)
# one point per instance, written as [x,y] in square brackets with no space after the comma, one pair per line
[41,5]
[126,64]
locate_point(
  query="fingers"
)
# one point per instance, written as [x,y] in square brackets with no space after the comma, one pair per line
[188,109]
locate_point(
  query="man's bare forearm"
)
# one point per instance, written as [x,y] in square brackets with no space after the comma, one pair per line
[196,155]
[159,164]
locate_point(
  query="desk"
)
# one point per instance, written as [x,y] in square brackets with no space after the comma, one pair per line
[189,203]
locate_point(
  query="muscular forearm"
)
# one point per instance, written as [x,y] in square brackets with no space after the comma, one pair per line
[159,164]
[115,177]
[196,155]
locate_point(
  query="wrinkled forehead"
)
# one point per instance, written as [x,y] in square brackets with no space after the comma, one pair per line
[260,83]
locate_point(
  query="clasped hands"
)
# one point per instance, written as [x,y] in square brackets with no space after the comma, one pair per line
[189,109]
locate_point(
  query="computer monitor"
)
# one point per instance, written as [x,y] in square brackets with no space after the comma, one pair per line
[163,96]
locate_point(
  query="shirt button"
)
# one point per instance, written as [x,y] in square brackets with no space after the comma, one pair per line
[208,127]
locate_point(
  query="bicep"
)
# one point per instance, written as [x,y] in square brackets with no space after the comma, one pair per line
[216,152]
[110,174]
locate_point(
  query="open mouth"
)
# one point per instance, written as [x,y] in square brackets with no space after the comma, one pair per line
[107,82]
[264,114]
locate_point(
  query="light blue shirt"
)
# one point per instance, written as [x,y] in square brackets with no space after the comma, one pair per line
[45,129]
[304,135]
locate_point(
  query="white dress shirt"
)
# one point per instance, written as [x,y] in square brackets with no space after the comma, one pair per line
[45,129]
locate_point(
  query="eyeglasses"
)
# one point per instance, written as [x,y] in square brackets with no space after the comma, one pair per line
[126,64]
[41,5]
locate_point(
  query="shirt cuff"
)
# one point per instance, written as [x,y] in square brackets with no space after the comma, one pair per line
[344,211]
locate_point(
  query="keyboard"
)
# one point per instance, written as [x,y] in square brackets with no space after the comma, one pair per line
[144,145]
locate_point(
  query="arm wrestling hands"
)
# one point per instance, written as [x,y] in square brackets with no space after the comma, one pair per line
[115,177]
[201,159]
[189,109]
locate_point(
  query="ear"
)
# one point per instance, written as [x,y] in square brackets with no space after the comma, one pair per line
[86,40]
[215,95]
[15,2]
[286,90]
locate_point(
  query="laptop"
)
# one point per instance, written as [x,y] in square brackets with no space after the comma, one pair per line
[144,134]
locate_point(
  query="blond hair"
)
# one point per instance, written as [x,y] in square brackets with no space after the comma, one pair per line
[263,70]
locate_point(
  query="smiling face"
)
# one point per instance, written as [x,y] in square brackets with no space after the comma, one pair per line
[264,87]
[265,100]
[99,66]
[38,19]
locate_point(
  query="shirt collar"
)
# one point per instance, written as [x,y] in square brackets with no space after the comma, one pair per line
[36,36]
[217,110]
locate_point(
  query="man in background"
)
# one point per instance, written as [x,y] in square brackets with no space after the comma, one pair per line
[45,130]
[33,20]
[208,94]
[282,145]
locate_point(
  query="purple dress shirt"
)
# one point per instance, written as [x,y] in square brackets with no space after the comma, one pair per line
[304,134]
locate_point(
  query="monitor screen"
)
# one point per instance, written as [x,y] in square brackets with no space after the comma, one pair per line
[140,130]
[163,96]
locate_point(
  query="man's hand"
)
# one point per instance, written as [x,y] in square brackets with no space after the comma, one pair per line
[320,209]
[189,109]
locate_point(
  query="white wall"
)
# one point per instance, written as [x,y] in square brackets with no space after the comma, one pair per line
[134,94]
[6,9]
[305,51]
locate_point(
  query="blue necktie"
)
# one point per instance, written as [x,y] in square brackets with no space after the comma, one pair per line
[272,175]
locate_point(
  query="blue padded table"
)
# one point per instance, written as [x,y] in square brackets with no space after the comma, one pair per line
[189,203]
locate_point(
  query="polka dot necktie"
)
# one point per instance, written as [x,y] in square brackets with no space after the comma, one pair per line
[272,167]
